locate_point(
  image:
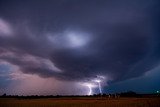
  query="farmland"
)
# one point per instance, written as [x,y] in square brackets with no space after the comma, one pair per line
[80,102]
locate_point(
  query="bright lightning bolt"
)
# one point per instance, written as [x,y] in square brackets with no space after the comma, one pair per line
[100,89]
[94,83]
[90,87]
[99,85]
[99,80]
[90,90]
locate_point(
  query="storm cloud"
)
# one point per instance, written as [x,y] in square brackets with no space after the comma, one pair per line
[76,40]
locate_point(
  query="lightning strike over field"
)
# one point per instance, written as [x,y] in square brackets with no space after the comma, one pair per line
[112,45]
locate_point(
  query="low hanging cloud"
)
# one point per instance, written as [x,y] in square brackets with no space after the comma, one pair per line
[114,42]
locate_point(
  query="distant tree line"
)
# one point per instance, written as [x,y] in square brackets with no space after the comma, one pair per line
[104,95]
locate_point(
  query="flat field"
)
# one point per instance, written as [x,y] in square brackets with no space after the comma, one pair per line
[80,102]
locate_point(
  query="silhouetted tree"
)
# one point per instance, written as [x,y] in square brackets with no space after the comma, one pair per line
[4,95]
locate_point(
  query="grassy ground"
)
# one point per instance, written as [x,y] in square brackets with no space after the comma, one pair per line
[81,102]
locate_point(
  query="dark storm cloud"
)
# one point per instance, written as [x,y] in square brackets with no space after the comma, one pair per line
[119,43]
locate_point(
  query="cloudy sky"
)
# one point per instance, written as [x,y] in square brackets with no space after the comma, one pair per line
[79,46]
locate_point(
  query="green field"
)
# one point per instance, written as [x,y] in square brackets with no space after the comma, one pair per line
[80,102]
